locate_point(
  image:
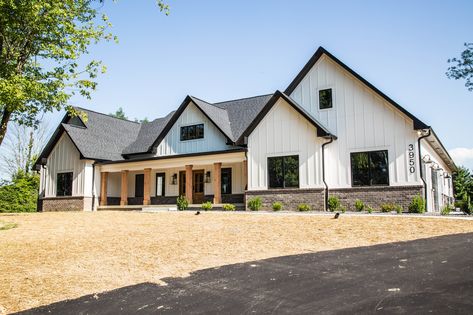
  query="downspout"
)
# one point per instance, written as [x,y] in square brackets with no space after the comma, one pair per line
[323,171]
[421,172]
[93,186]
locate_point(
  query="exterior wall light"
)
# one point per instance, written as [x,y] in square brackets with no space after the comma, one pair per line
[426,159]
[174,179]
[207,177]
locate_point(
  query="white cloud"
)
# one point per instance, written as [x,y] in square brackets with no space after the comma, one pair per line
[462,156]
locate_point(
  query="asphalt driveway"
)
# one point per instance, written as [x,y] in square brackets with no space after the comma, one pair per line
[432,275]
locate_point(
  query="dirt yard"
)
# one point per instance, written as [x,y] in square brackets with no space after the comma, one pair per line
[50,257]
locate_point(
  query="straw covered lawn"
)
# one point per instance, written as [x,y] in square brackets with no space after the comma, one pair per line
[50,257]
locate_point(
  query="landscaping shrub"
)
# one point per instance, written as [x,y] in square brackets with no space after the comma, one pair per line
[333,203]
[398,209]
[303,207]
[342,208]
[182,203]
[229,207]
[417,205]
[277,206]
[387,207]
[359,205]
[465,205]
[446,210]
[369,209]
[206,205]
[21,194]
[255,203]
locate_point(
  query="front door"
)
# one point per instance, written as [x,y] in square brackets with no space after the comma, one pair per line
[198,186]
[182,183]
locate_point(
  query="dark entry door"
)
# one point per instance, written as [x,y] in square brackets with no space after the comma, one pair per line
[198,186]
[139,185]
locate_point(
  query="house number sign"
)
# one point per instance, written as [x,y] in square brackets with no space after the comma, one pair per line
[412,162]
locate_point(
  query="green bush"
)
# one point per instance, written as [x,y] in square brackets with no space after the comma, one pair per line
[387,207]
[255,203]
[398,209]
[21,195]
[465,205]
[333,203]
[229,207]
[417,205]
[446,210]
[342,208]
[369,209]
[277,206]
[359,205]
[303,207]
[182,203]
[206,205]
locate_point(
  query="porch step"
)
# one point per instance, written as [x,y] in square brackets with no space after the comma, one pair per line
[157,208]
[120,208]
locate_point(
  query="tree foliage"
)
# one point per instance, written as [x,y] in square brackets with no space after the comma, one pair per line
[21,194]
[119,114]
[21,148]
[41,45]
[462,67]
[463,183]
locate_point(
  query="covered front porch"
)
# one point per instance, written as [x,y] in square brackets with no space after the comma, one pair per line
[157,182]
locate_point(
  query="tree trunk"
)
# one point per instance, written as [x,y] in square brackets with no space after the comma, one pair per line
[29,161]
[4,124]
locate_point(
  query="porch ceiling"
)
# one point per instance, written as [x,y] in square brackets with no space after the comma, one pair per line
[175,161]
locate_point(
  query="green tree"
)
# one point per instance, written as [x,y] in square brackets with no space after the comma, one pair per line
[462,67]
[463,183]
[41,45]
[119,114]
[21,194]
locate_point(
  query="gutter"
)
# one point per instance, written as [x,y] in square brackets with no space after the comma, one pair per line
[420,166]
[323,170]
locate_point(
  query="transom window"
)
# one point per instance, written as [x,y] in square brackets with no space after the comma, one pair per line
[325,99]
[370,168]
[192,132]
[64,184]
[283,171]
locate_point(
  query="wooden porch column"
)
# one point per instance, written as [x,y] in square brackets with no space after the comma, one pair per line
[103,188]
[245,174]
[146,187]
[124,189]
[217,181]
[189,183]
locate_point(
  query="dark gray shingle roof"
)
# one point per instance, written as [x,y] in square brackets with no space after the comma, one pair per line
[147,135]
[104,136]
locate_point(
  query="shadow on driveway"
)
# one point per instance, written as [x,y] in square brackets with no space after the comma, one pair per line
[432,275]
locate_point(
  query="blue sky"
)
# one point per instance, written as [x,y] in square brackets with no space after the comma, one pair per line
[219,50]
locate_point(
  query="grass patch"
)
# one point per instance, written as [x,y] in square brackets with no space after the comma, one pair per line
[7,225]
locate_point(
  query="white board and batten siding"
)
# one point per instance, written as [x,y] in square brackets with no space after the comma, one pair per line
[283,131]
[66,158]
[213,139]
[362,121]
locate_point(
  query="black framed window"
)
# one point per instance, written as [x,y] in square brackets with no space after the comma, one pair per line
[64,184]
[192,132]
[226,181]
[370,168]
[283,171]
[325,99]
[160,184]
[139,185]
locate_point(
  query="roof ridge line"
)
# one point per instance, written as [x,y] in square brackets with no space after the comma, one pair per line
[243,98]
[108,115]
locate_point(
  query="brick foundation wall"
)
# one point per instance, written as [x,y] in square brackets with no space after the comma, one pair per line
[63,204]
[164,200]
[290,198]
[376,196]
